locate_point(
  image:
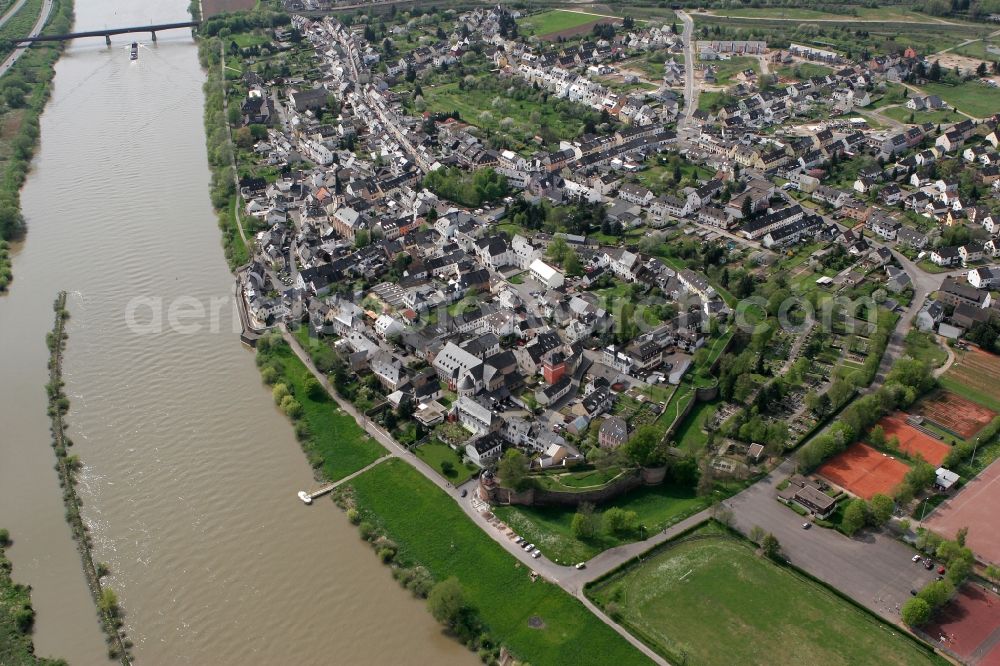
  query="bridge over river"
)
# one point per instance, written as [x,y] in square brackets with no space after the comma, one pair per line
[107,32]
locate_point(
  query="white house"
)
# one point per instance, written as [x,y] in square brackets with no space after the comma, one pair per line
[546,274]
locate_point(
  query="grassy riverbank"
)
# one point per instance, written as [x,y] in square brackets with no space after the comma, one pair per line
[536,620]
[331,439]
[24,91]
[16,618]
[67,466]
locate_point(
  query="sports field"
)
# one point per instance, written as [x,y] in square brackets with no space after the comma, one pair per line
[955,413]
[975,375]
[710,599]
[913,442]
[974,506]
[863,471]
[969,626]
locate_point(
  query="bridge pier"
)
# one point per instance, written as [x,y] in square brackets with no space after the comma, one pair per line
[107,39]
[153,33]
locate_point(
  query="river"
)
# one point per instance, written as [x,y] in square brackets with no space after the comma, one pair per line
[189,472]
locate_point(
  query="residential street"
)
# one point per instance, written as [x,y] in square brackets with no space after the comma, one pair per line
[690,91]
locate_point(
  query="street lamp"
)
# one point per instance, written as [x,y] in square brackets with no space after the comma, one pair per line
[973,459]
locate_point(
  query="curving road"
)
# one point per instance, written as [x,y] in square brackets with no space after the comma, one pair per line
[9,14]
[43,18]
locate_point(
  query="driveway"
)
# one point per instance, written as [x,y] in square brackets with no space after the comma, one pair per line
[873,569]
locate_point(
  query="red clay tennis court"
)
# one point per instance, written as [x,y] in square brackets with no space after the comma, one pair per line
[974,506]
[969,626]
[912,441]
[863,471]
[956,414]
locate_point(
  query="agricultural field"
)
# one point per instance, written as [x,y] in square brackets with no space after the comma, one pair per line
[658,507]
[970,97]
[559,23]
[710,599]
[535,619]
[975,375]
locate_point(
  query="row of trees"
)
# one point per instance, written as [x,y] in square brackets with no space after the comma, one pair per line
[958,561]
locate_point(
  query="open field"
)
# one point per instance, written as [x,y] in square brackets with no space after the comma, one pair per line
[432,530]
[902,114]
[337,442]
[955,413]
[912,442]
[557,23]
[864,471]
[806,70]
[658,507]
[213,7]
[713,600]
[970,626]
[726,70]
[975,507]
[970,97]
[975,375]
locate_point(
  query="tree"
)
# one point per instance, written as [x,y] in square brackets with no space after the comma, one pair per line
[746,208]
[981,70]
[645,448]
[584,525]
[877,437]
[757,534]
[993,573]
[619,522]
[572,264]
[771,547]
[315,390]
[961,535]
[108,601]
[448,468]
[880,509]
[937,593]
[915,612]
[447,604]
[513,469]
[855,516]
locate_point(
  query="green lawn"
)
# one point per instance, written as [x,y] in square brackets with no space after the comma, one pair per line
[726,70]
[553,21]
[431,530]
[337,444]
[924,347]
[658,507]
[806,70]
[689,436]
[902,114]
[979,50]
[715,601]
[436,453]
[709,100]
[970,97]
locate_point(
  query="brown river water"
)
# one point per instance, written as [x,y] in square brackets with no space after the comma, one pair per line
[190,473]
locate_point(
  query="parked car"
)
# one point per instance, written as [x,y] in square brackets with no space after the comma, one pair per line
[536,554]
[916,558]
[519,540]
[581,565]
[928,565]
[913,593]
[806,526]
[464,492]
[941,571]
[529,547]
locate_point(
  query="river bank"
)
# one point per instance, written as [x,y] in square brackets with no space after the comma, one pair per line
[31,76]
[105,599]
[17,617]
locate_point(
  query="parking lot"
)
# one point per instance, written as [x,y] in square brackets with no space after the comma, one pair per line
[873,569]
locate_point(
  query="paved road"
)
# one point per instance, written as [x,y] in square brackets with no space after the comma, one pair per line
[43,18]
[9,14]
[846,19]
[690,91]
[873,569]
